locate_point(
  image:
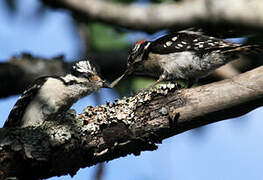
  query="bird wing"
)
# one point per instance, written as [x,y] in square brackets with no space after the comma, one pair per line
[16,114]
[187,41]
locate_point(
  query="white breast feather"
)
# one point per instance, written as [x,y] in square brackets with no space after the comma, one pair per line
[50,97]
[179,64]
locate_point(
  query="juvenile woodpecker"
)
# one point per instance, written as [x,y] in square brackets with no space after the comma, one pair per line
[185,55]
[50,96]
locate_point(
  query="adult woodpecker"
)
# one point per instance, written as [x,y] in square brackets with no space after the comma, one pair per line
[185,55]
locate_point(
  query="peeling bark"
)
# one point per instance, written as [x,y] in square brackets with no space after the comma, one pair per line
[127,126]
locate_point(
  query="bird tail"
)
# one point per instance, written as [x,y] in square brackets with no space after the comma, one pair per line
[245,50]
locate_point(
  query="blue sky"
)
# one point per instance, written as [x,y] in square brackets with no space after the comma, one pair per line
[229,149]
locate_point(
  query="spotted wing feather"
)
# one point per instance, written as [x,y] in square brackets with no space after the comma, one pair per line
[16,114]
[182,41]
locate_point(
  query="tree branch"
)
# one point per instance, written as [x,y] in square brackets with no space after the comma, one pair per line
[172,15]
[19,72]
[129,125]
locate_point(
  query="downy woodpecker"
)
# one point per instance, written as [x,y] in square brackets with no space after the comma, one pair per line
[185,55]
[49,96]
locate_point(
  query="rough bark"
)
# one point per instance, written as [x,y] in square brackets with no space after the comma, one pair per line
[168,15]
[130,125]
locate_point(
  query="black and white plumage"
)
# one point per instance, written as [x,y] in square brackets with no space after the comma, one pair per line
[185,55]
[50,96]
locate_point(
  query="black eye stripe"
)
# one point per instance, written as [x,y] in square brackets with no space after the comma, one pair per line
[86,75]
[82,74]
[136,51]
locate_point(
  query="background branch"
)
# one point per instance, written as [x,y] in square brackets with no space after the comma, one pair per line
[130,125]
[19,72]
[168,15]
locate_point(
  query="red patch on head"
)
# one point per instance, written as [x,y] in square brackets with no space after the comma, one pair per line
[140,42]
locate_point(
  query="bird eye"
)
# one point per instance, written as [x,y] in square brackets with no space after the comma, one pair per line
[87,75]
[130,51]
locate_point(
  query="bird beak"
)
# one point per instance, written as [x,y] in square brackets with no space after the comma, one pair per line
[116,81]
[105,85]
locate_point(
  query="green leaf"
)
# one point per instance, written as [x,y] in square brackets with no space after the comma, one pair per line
[124,87]
[106,38]
[141,82]
[163,1]
[123,1]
